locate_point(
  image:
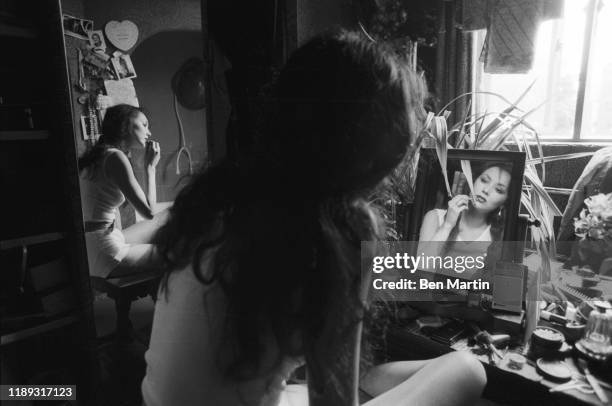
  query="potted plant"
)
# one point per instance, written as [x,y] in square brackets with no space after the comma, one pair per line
[505,130]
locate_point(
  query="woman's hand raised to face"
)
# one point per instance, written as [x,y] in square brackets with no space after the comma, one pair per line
[456,206]
[152,153]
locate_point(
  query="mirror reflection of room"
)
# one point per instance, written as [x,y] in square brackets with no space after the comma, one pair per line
[138,99]
[236,202]
[474,202]
[139,106]
[471,215]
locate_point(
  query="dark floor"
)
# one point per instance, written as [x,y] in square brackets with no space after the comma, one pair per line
[122,364]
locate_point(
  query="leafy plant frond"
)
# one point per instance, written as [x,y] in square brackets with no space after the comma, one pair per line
[439,133]
[470,94]
[462,130]
[496,131]
[502,137]
[466,167]
[513,106]
[554,158]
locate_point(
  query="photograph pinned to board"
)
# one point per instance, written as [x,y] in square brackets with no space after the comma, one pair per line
[89,127]
[96,65]
[97,59]
[96,40]
[123,67]
[102,103]
[77,27]
[121,91]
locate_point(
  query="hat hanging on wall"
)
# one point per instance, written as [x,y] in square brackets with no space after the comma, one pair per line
[189,90]
[123,35]
[188,84]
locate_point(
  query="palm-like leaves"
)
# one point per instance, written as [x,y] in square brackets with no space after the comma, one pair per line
[496,131]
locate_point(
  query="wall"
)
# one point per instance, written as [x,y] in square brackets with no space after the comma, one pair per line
[316,16]
[170,32]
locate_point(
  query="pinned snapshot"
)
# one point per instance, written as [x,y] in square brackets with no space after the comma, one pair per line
[77,27]
[96,40]
[123,67]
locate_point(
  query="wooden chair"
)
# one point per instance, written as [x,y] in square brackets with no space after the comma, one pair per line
[124,291]
[127,289]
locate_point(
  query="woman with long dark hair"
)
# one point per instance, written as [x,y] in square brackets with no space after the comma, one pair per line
[263,256]
[107,180]
[472,218]
[470,223]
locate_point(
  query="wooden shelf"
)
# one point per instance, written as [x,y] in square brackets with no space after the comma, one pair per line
[41,328]
[30,240]
[22,135]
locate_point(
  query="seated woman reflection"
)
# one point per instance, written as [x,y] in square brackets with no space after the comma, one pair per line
[469,224]
[107,180]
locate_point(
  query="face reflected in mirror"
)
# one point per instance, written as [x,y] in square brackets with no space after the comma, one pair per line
[139,130]
[491,189]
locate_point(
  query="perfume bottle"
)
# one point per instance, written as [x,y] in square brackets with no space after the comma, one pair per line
[597,340]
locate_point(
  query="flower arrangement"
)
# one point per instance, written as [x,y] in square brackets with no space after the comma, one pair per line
[594,228]
[595,222]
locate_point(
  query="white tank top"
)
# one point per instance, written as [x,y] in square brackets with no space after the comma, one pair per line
[185,352]
[100,196]
[484,237]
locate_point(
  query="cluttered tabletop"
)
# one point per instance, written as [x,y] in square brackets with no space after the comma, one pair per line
[559,346]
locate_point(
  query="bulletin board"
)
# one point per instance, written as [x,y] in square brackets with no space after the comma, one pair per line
[101,69]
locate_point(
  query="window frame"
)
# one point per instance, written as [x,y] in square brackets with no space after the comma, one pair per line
[592,8]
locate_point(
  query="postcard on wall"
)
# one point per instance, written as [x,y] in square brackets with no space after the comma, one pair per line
[77,27]
[121,91]
[89,128]
[96,41]
[99,60]
[123,67]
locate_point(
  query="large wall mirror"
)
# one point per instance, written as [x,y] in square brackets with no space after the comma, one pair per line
[138,75]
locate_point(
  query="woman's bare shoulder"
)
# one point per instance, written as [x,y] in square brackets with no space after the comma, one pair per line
[434,214]
[114,156]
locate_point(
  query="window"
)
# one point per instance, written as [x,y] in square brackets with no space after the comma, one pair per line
[575,87]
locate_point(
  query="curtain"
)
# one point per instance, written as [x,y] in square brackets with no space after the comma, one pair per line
[511,30]
[453,59]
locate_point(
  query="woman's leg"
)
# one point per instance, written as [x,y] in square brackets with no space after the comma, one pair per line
[140,258]
[457,378]
[144,231]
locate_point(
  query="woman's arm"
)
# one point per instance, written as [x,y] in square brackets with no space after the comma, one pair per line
[332,374]
[152,154]
[345,373]
[432,233]
[119,171]
[431,230]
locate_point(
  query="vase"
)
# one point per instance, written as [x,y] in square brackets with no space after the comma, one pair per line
[591,252]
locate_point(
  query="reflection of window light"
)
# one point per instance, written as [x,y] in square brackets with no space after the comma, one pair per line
[557,68]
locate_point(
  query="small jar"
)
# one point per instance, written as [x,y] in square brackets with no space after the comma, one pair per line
[597,340]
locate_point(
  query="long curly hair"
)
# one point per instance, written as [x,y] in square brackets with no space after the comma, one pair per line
[285,225]
[115,130]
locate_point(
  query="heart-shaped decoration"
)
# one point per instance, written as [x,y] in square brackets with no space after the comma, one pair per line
[123,35]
